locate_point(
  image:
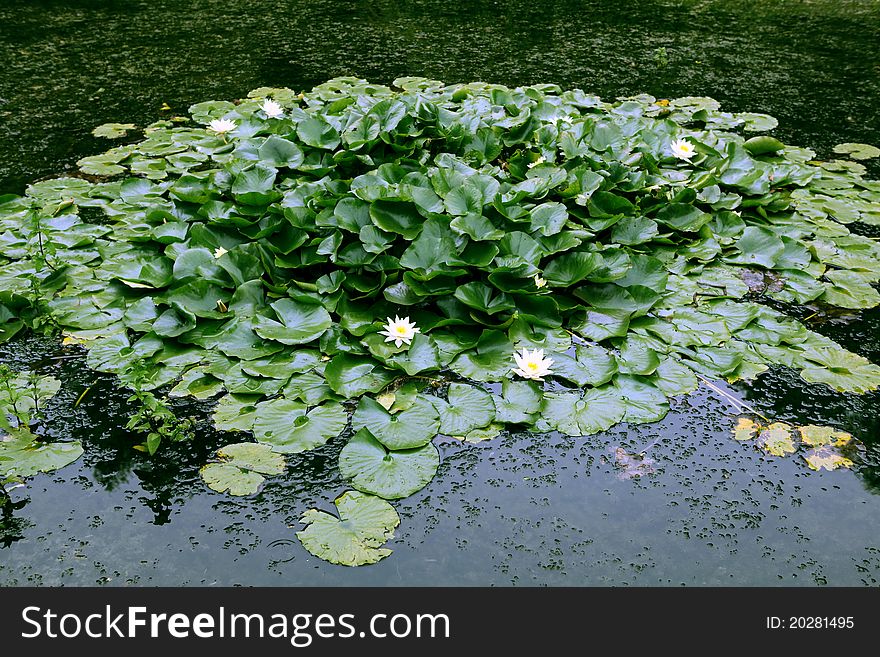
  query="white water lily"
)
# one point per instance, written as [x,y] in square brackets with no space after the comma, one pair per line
[222,126]
[532,365]
[539,282]
[219,252]
[272,109]
[683,150]
[399,331]
[540,160]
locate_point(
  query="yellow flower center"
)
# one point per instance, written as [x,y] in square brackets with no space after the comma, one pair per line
[401,330]
[533,366]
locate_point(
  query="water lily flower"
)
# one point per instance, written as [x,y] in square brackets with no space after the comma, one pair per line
[272,109]
[539,282]
[540,160]
[683,150]
[219,252]
[222,126]
[399,331]
[532,365]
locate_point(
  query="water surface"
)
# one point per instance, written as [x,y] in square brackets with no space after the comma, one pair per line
[523,509]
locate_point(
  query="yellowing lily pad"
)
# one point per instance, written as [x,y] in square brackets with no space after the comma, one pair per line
[826,457]
[815,435]
[777,439]
[746,429]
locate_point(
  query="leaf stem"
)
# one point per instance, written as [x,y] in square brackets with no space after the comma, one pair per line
[733,400]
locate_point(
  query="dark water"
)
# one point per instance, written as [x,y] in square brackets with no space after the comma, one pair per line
[522,509]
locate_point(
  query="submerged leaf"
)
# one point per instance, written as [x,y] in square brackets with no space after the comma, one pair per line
[631,465]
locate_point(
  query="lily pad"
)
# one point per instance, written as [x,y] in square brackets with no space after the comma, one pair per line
[391,474]
[746,429]
[519,403]
[467,408]
[777,439]
[303,432]
[570,413]
[410,428]
[826,457]
[274,419]
[643,401]
[241,468]
[817,436]
[298,322]
[858,151]
[22,454]
[235,413]
[113,130]
[356,537]
[351,376]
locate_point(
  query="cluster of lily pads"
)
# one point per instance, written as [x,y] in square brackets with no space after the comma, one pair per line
[827,448]
[388,264]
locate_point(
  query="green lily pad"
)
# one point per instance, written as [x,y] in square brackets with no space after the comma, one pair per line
[519,403]
[674,378]
[467,408]
[591,365]
[490,360]
[303,432]
[22,454]
[274,419]
[410,428]
[571,413]
[858,151]
[298,323]
[643,401]
[849,290]
[23,393]
[842,370]
[351,376]
[235,413]
[758,246]
[242,468]
[365,523]
[391,474]
[482,434]
[113,130]
[763,145]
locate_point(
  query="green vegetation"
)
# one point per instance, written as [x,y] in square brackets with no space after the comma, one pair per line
[390,264]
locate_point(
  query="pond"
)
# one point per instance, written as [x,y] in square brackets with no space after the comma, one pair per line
[521,509]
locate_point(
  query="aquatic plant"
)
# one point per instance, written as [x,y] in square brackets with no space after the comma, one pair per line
[614,253]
